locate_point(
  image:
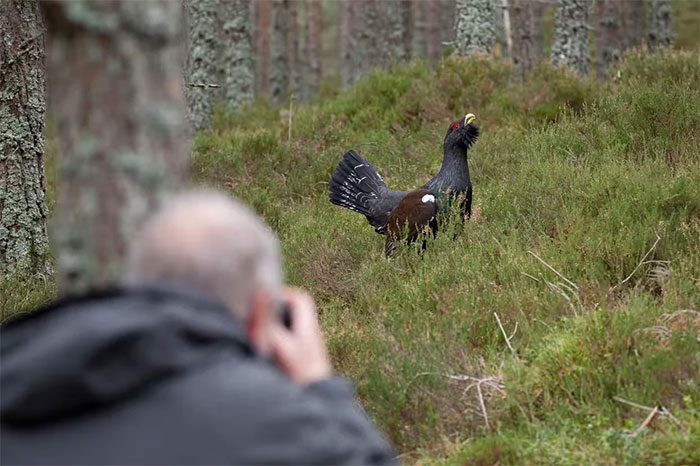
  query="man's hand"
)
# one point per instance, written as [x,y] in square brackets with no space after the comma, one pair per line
[300,351]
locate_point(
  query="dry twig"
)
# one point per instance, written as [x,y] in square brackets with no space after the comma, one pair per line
[505,336]
[641,262]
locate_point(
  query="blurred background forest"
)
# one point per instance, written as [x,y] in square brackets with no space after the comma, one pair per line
[547,330]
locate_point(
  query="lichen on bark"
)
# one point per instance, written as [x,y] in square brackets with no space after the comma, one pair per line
[23,238]
[202,79]
[120,117]
[659,24]
[570,47]
[475,27]
[236,54]
[279,71]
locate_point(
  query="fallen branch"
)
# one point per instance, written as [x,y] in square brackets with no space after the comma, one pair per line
[572,284]
[203,85]
[641,262]
[656,410]
[505,336]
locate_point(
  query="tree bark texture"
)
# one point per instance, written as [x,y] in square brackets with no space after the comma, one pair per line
[120,113]
[570,48]
[608,37]
[660,33]
[539,8]
[420,28]
[262,40]
[406,12]
[434,37]
[279,71]
[314,21]
[23,239]
[633,19]
[203,77]
[523,23]
[293,48]
[236,54]
[347,16]
[447,21]
[474,27]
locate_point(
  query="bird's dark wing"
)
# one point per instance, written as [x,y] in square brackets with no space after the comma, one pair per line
[414,213]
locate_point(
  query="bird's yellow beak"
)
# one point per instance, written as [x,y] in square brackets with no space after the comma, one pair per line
[469,117]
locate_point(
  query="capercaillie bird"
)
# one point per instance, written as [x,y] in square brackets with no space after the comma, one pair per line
[356,185]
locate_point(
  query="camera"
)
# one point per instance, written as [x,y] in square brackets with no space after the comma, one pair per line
[285,315]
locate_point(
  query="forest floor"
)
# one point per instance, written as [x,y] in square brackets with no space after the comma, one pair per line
[561,325]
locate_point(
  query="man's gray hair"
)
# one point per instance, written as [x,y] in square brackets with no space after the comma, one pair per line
[208,241]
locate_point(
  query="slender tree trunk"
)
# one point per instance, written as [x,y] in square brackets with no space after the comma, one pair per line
[434,39]
[420,28]
[570,48]
[293,48]
[120,117]
[447,21]
[391,33]
[369,51]
[263,20]
[279,66]
[522,14]
[23,240]
[236,54]
[608,37]
[348,70]
[539,7]
[203,76]
[659,24]
[633,14]
[507,27]
[475,28]
[314,21]
[406,12]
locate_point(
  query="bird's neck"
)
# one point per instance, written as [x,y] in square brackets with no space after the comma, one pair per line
[454,172]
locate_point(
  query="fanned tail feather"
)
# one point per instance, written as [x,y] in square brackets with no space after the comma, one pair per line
[356,185]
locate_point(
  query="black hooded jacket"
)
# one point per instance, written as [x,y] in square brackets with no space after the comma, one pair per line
[154,376]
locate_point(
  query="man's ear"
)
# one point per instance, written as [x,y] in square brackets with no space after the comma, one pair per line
[258,321]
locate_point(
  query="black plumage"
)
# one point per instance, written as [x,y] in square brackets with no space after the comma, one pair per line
[356,184]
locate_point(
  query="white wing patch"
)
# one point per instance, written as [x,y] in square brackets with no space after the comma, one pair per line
[428,198]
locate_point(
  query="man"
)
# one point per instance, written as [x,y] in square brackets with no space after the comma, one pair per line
[189,363]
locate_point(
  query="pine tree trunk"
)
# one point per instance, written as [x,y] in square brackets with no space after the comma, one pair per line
[570,48]
[203,76]
[293,48]
[262,40]
[523,22]
[475,28]
[236,54]
[279,71]
[659,24]
[447,21]
[348,71]
[633,15]
[420,28]
[391,33]
[608,38]
[23,240]
[314,21]
[120,114]
[369,52]
[406,12]
[434,39]
[539,7]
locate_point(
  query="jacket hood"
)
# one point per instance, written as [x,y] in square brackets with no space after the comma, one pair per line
[95,350]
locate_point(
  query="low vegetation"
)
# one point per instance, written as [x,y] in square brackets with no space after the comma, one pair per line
[561,324]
